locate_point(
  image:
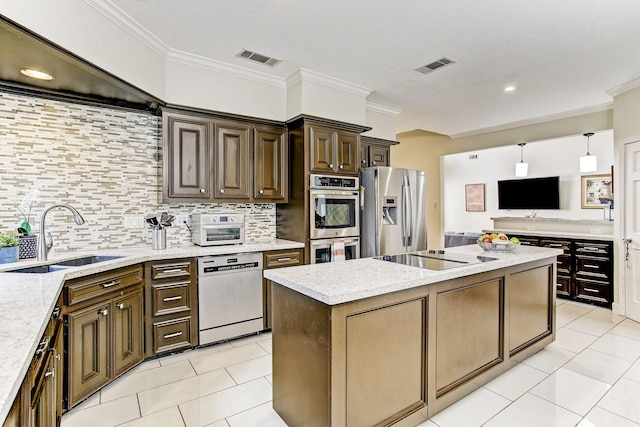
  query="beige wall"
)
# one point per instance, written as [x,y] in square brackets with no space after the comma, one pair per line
[423,150]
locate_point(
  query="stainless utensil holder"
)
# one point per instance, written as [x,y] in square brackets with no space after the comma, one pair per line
[159,238]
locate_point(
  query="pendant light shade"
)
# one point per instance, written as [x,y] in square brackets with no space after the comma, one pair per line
[522,168]
[589,162]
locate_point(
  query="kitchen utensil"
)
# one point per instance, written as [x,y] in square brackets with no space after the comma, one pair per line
[163,217]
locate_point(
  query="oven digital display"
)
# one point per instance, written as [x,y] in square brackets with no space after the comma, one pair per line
[224,218]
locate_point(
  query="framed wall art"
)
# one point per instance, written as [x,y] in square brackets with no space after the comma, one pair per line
[474,197]
[596,190]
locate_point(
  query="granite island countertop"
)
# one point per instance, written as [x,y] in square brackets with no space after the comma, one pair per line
[27,299]
[346,281]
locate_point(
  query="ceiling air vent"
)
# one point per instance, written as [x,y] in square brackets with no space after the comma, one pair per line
[442,62]
[263,59]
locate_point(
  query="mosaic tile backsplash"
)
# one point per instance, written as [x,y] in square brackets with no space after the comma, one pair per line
[106,163]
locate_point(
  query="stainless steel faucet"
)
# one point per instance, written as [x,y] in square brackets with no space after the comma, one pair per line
[45,240]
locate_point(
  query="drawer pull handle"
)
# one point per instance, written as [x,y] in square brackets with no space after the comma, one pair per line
[120,306]
[104,311]
[176,298]
[173,335]
[56,311]
[42,347]
[288,258]
[559,262]
[173,270]
[51,373]
[558,284]
[555,245]
[591,290]
[111,283]
[591,266]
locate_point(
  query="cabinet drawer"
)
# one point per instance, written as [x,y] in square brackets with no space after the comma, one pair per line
[171,270]
[172,335]
[594,249]
[564,264]
[171,298]
[86,288]
[282,259]
[593,267]
[593,290]
[565,245]
[528,241]
[563,286]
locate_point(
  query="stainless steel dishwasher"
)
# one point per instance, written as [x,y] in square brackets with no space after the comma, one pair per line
[229,296]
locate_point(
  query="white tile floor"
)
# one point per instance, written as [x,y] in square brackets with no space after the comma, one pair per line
[590,376]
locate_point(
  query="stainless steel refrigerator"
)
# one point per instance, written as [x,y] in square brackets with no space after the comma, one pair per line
[394,211]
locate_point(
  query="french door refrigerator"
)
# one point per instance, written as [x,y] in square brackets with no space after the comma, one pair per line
[394,211]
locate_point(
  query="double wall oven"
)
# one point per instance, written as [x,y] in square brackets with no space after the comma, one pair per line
[334,218]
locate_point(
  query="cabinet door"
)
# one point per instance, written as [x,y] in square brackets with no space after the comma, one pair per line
[322,151]
[232,162]
[270,165]
[187,157]
[58,361]
[364,155]
[88,351]
[378,155]
[127,331]
[347,154]
[43,394]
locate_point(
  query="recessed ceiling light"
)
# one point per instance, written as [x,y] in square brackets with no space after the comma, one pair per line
[36,74]
[509,88]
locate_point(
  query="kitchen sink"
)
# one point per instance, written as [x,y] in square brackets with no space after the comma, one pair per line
[61,265]
[86,260]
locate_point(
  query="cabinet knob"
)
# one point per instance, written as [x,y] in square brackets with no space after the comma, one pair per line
[261,191]
[202,190]
[363,161]
[373,163]
[222,191]
[120,306]
[331,165]
[51,373]
[341,167]
[104,311]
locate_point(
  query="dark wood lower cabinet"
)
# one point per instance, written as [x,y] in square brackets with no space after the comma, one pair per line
[104,328]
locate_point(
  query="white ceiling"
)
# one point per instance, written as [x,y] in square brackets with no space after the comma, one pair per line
[562,55]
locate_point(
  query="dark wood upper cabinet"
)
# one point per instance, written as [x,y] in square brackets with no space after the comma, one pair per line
[223,158]
[333,151]
[232,162]
[375,151]
[186,148]
[270,164]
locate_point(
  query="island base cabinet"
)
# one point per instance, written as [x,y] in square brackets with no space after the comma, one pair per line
[399,358]
[386,363]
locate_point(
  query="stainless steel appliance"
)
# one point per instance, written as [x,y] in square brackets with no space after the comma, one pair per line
[327,250]
[333,206]
[435,260]
[394,211]
[229,296]
[217,229]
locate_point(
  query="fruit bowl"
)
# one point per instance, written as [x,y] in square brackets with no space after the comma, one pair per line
[498,247]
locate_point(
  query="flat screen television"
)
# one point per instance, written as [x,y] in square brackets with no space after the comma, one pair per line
[529,193]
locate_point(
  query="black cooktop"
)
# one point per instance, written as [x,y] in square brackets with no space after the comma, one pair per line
[435,259]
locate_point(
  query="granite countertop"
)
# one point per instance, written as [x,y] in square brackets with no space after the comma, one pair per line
[342,282]
[28,300]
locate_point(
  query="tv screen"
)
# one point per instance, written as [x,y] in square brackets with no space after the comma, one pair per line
[529,193]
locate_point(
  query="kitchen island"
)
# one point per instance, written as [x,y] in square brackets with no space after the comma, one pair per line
[369,342]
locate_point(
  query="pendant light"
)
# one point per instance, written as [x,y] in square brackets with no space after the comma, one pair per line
[588,163]
[522,168]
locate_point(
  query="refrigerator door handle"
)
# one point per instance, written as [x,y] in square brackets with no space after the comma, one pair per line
[407,224]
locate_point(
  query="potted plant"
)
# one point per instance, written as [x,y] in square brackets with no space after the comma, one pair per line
[28,241]
[8,247]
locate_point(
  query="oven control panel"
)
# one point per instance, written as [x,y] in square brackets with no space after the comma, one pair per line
[332,182]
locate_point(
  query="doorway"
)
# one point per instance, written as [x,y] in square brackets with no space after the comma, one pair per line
[630,249]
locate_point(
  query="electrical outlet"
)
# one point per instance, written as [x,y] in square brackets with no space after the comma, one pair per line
[130,222]
[181,219]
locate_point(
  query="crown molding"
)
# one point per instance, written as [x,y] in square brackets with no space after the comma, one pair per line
[223,68]
[114,14]
[527,122]
[625,87]
[303,74]
[383,109]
